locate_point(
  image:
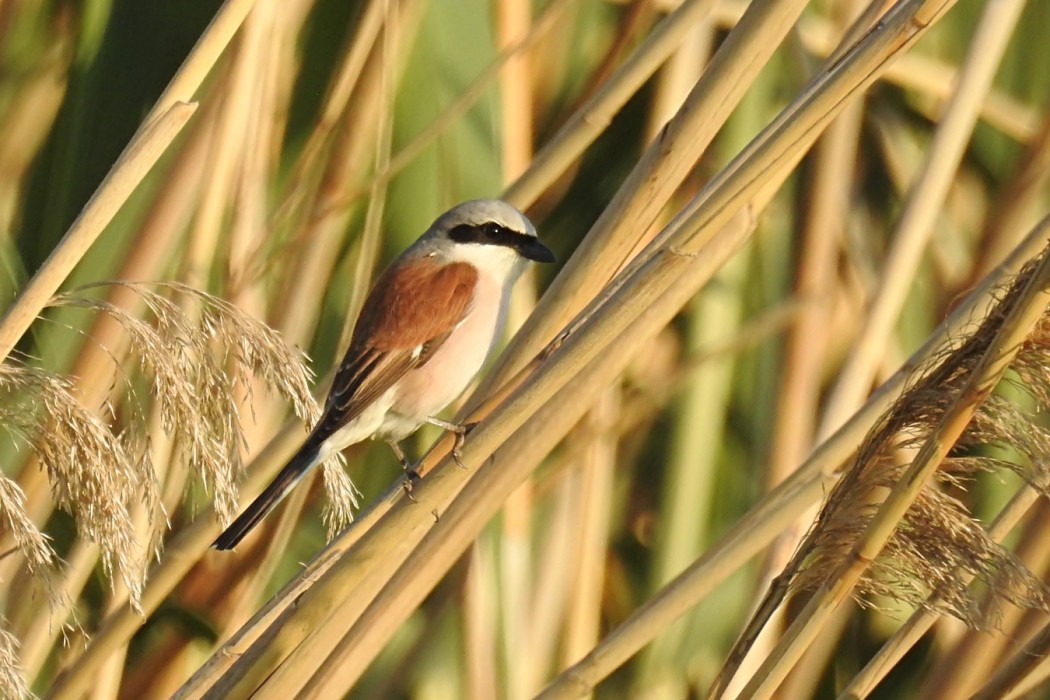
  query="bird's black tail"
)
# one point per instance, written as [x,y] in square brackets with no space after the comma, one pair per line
[302,462]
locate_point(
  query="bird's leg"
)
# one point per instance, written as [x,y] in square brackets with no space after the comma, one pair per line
[410,469]
[460,431]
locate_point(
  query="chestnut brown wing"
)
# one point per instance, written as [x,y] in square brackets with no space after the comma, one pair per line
[411,310]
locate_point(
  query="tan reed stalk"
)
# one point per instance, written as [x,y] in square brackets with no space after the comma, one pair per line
[595,492]
[479,629]
[554,580]
[513,566]
[793,132]
[919,622]
[928,191]
[1024,311]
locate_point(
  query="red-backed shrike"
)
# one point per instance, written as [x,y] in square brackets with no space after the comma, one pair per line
[425,330]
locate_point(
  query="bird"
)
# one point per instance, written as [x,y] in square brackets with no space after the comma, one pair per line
[425,330]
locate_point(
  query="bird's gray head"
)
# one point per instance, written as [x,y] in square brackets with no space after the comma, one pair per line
[492,235]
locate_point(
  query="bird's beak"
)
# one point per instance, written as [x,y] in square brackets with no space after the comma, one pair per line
[534,249]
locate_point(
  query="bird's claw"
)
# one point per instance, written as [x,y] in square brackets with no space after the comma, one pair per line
[461,438]
[411,478]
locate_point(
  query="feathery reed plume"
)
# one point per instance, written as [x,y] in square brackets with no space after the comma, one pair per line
[92,473]
[939,537]
[12,682]
[197,363]
[33,544]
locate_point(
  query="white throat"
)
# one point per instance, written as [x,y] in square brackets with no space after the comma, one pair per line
[501,264]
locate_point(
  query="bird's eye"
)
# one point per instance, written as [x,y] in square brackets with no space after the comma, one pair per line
[492,231]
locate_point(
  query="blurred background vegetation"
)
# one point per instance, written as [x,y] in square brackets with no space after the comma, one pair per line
[284,198]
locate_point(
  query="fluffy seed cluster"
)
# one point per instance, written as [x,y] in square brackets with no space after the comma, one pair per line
[939,545]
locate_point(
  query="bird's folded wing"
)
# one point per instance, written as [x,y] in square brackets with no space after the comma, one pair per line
[410,312]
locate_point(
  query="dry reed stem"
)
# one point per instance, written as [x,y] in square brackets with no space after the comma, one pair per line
[132,165]
[513,566]
[199,62]
[1023,309]
[924,203]
[920,621]
[596,475]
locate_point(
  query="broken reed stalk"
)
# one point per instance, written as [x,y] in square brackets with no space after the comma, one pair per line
[1024,306]
[129,170]
[160,127]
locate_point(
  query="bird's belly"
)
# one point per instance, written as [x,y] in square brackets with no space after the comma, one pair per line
[425,391]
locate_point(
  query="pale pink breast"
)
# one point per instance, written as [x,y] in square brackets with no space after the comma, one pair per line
[426,391]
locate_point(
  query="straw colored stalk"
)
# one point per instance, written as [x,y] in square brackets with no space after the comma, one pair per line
[923,205]
[786,140]
[1024,307]
[908,634]
[513,567]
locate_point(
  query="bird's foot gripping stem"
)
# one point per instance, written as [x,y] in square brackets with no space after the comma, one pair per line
[460,430]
